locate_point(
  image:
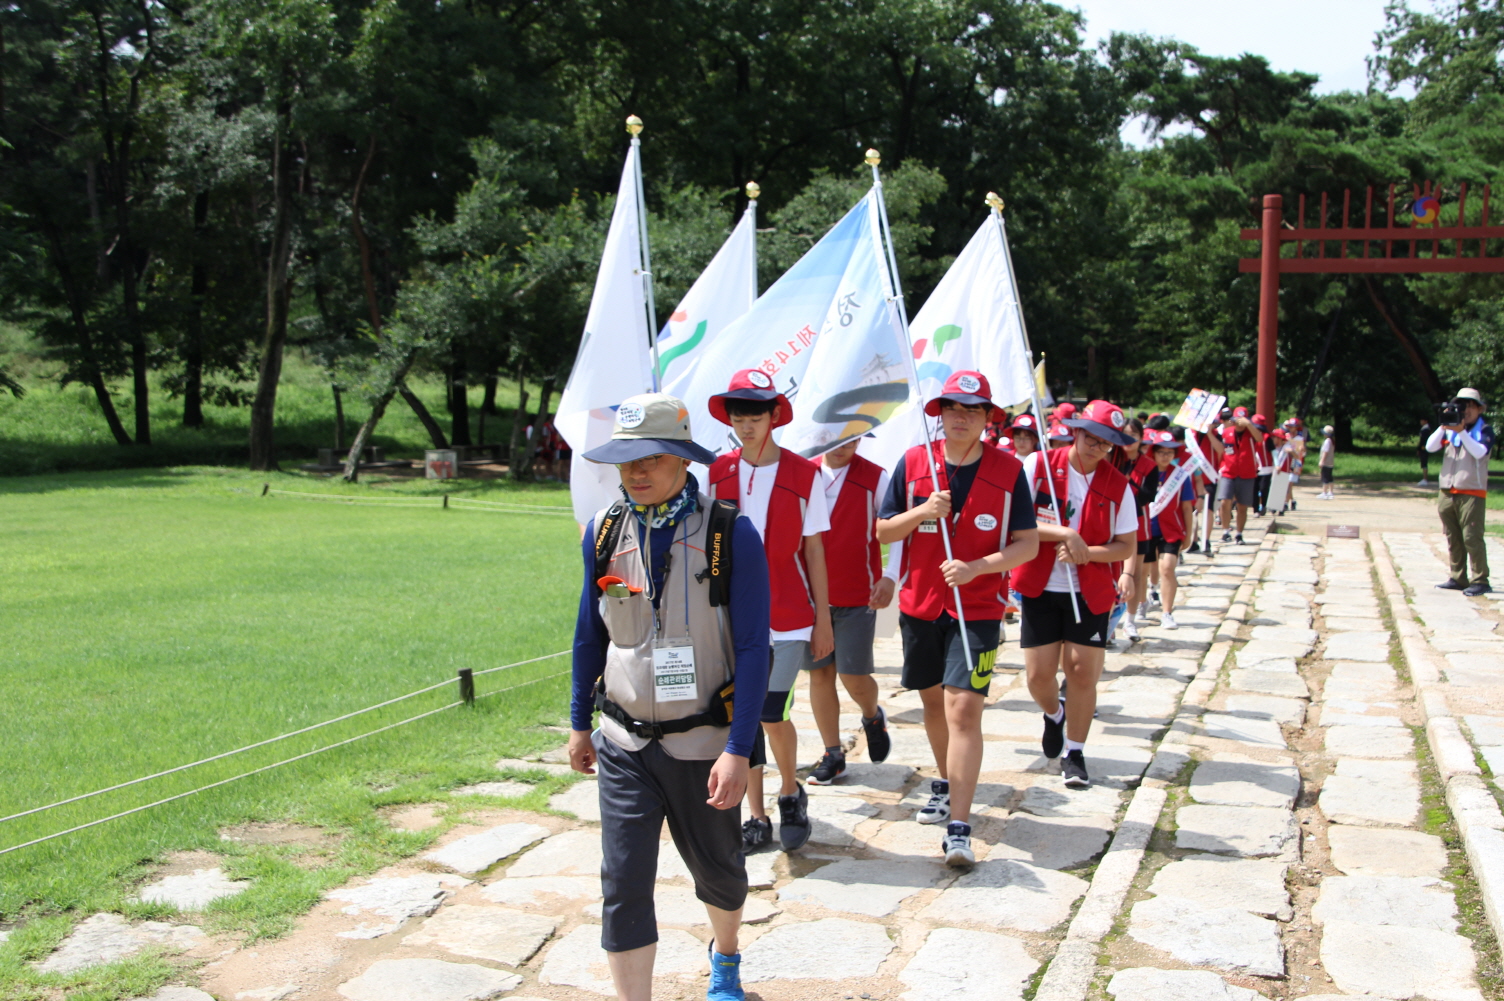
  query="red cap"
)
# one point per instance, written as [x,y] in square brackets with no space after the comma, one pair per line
[1059,432]
[1160,439]
[751,384]
[1064,410]
[1023,422]
[968,387]
[1105,420]
[1239,412]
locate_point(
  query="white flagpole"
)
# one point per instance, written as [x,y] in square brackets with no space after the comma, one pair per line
[895,300]
[634,126]
[753,191]
[996,205]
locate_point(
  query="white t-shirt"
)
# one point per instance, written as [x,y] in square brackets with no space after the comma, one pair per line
[756,488]
[1127,515]
[834,479]
[1328,453]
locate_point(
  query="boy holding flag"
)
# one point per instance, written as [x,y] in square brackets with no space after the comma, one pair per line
[982,505]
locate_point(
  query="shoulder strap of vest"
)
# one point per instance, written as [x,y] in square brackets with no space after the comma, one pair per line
[606,534]
[864,473]
[720,522]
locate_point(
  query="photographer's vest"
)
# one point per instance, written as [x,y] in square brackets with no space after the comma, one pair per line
[684,609]
[979,529]
[1099,514]
[853,558]
[793,600]
[1460,471]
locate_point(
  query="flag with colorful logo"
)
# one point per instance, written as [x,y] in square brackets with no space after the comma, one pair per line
[829,336]
[724,291]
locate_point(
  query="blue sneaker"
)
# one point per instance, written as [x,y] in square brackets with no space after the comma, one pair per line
[725,977]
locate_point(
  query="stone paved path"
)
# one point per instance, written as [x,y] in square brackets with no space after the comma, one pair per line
[1256,827]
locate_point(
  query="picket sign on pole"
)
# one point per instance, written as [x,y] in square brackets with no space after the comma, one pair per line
[895,302]
[996,205]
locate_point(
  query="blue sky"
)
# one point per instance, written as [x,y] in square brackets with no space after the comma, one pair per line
[1326,37]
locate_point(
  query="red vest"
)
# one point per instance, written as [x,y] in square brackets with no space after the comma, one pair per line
[1142,467]
[1239,461]
[1171,524]
[853,558]
[1102,499]
[793,602]
[979,529]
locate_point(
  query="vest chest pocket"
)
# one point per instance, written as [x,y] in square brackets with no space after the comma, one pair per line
[629,620]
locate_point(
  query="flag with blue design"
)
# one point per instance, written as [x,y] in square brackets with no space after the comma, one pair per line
[829,335]
[724,291]
[970,321]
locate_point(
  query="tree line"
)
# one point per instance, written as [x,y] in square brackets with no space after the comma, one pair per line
[190,187]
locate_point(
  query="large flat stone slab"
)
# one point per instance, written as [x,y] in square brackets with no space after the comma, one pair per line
[1395,962]
[1286,634]
[1372,647]
[958,965]
[194,891]
[1270,707]
[677,906]
[1261,651]
[1371,793]
[105,938]
[1368,742]
[1408,902]
[828,949]
[1236,780]
[572,853]
[577,959]
[395,899]
[581,799]
[1149,984]
[1050,798]
[834,818]
[479,852]
[863,778]
[1376,851]
[1333,714]
[1228,938]
[863,886]
[1287,684]
[1351,623]
[540,891]
[1007,894]
[1053,842]
[1487,731]
[1213,881]
[496,933]
[427,980]
[1224,726]
[1248,831]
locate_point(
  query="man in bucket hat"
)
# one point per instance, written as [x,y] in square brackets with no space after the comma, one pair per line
[984,505]
[657,648]
[777,490]
[1088,527]
[1465,445]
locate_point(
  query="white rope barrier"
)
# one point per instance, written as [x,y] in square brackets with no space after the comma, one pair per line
[505,507]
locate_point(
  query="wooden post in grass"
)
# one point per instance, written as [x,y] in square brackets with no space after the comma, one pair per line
[467,686]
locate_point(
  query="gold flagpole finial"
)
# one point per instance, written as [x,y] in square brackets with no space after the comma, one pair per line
[753,190]
[873,158]
[993,201]
[634,125]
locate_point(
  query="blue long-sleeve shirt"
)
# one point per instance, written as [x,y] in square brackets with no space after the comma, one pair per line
[749,612]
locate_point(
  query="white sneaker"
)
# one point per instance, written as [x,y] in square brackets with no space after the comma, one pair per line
[1143,615]
[1130,630]
[938,808]
[957,845]
[1167,621]
[1423,483]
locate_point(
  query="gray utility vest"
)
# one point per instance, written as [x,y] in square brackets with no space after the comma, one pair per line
[631,624]
[1460,471]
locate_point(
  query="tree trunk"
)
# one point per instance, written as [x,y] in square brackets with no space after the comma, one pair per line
[488,402]
[339,417]
[264,407]
[1342,429]
[92,373]
[545,394]
[1326,348]
[519,450]
[367,276]
[193,351]
[459,404]
[1412,347]
[430,425]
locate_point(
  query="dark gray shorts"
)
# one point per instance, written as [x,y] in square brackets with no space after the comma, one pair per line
[854,629]
[1240,490]
[638,791]
[933,655]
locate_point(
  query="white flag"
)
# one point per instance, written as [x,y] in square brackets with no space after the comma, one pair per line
[828,334]
[615,356]
[724,291]
[970,321]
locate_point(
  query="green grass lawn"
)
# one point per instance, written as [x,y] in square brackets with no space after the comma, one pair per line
[154,617]
[1394,464]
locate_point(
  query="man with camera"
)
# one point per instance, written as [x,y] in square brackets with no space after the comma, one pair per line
[1465,441]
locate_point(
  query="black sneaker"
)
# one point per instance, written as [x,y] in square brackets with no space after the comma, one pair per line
[793,820]
[1053,740]
[1195,548]
[1227,536]
[1074,771]
[1452,585]
[1239,540]
[832,765]
[1293,505]
[757,833]
[1473,590]
[878,741]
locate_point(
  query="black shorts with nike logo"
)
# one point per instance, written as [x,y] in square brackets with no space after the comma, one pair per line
[1048,619]
[932,653]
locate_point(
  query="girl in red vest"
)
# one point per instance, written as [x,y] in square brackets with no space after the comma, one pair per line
[984,504]
[1240,470]
[1168,529]
[859,586]
[1134,462]
[776,490]
[1087,522]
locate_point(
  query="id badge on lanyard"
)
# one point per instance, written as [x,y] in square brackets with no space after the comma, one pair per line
[674,670]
